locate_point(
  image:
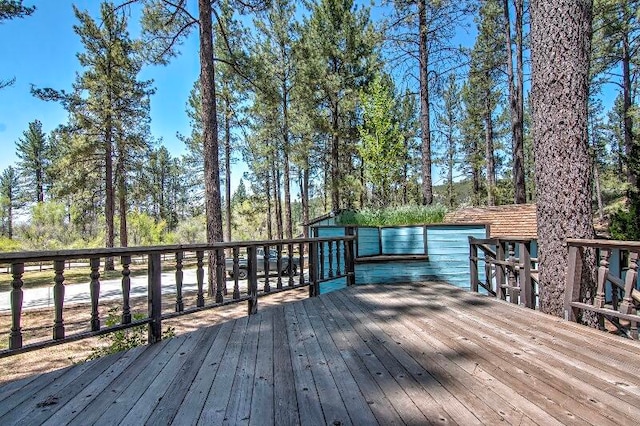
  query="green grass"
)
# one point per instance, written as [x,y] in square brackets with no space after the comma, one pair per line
[405,215]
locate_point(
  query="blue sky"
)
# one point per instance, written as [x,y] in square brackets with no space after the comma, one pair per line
[41,50]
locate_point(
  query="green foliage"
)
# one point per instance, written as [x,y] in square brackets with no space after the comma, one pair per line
[126,339]
[8,244]
[33,151]
[405,215]
[144,230]
[625,224]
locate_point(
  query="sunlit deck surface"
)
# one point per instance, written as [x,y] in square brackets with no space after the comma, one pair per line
[387,354]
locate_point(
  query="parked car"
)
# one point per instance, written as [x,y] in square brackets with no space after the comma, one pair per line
[243,272]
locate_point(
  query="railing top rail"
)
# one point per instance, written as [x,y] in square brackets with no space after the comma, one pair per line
[473,240]
[35,256]
[623,245]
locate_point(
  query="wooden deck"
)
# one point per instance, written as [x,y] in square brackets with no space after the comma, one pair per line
[387,354]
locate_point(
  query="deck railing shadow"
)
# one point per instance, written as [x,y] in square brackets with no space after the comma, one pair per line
[284,267]
[509,271]
[617,296]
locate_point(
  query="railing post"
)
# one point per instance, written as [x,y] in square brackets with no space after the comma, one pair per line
[58,299]
[473,264]
[221,284]
[574,278]
[94,289]
[236,270]
[200,278]
[349,252]
[155,297]
[15,338]
[603,273]
[514,290]
[500,271]
[313,269]
[252,269]
[179,279]
[526,295]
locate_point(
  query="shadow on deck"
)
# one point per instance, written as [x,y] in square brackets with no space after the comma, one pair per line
[387,354]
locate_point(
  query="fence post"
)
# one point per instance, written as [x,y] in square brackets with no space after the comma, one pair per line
[349,254]
[500,271]
[526,296]
[313,268]
[15,338]
[473,264]
[155,298]
[252,269]
[574,278]
[58,299]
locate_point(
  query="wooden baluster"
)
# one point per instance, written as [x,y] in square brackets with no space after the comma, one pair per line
[603,271]
[500,272]
[58,299]
[301,262]
[15,338]
[321,245]
[94,288]
[350,250]
[279,265]
[179,278]
[290,264]
[221,284]
[313,268]
[330,247]
[236,269]
[252,279]
[125,261]
[200,277]
[525,276]
[265,266]
[338,271]
[627,306]
[574,278]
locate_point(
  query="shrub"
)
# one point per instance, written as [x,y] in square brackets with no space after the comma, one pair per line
[404,215]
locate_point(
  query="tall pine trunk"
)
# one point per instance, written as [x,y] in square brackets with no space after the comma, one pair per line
[109,203]
[269,209]
[288,223]
[210,143]
[425,114]
[489,153]
[560,94]
[227,169]
[122,196]
[516,99]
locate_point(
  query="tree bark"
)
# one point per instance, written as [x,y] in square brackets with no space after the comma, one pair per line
[425,115]
[109,204]
[269,210]
[516,99]
[122,197]
[210,142]
[560,49]
[489,153]
[227,169]
[288,226]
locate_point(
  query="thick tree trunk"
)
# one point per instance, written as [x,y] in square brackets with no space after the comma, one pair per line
[425,115]
[122,198]
[109,203]
[288,225]
[210,142]
[335,159]
[269,210]
[516,100]
[304,195]
[632,173]
[277,195]
[560,80]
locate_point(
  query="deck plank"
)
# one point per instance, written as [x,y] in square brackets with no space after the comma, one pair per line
[385,354]
[262,400]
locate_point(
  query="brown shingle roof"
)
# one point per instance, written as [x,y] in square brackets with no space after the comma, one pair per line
[515,220]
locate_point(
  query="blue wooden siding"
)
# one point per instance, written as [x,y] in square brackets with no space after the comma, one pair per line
[447,248]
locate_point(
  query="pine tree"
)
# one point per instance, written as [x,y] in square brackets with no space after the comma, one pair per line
[449,123]
[9,201]
[11,9]
[33,151]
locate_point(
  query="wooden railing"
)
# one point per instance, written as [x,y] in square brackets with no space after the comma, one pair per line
[507,276]
[617,297]
[329,258]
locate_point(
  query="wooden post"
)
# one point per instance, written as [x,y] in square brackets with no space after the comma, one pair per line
[252,269]
[155,297]
[15,338]
[179,278]
[301,247]
[265,267]
[200,278]
[349,261]
[236,269]
[313,269]
[380,240]
[290,266]
[574,278]
[279,265]
[473,264]
[514,290]
[125,261]
[94,288]
[500,271]
[58,299]
[526,296]
[330,250]
[627,305]
[219,274]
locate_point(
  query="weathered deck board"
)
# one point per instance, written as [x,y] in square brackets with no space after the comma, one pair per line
[386,354]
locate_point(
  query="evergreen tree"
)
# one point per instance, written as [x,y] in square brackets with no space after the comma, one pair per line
[11,9]
[9,201]
[449,123]
[33,151]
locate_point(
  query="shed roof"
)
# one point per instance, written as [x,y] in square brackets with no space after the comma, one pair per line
[514,220]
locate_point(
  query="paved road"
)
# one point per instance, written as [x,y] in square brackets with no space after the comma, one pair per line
[109,290]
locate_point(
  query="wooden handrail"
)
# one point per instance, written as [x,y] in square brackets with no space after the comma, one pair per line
[330,258]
